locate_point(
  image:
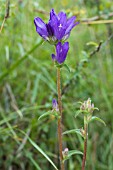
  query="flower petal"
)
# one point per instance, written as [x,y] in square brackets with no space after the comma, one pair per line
[61,51]
[60,33]
[65,49]
[52,14]
[58,23]
[41,27]
[70,24]
[58,49]
[53,56]
[55,105]
[50,29]
[61,27]
[62,18]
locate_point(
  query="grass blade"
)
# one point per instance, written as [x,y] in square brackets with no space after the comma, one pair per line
[18,62]
[40,150]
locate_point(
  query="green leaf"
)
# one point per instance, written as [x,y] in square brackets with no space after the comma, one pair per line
[96,108]
[67,67]
[85,112]
[71,153]
[79,102]
[81,111]
[85,55]
[84,60]
[45,114]
[62,65]
[58,65]
[97,119]
[92,43]
[77,131]
[77,113]
[40,150]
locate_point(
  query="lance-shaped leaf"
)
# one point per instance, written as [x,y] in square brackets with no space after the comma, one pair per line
[67,67]
[78,112]
[45,114]
[92,43]
[81,111]
[97,119]
[71,153]
[77,131]
[39,150]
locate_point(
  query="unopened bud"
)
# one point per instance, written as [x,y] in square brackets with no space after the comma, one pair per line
[82,132]
[65,153]
[55,105]
[87,106]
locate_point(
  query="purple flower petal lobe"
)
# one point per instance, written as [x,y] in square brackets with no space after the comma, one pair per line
[53,56]
[61,52]
[41,27]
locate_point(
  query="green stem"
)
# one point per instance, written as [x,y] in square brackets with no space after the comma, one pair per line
[85,142]
[60,119]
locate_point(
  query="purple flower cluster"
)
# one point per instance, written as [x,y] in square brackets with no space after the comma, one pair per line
[56,31]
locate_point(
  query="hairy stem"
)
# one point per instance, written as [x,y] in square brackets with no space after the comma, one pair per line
[85,142]
[60,119]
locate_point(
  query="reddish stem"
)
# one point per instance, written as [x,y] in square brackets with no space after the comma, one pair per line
[60,119]
[85,144]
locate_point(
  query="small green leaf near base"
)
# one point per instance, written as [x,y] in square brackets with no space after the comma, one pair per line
[77,131]
[97,119]
[67,67]
[45,114]
[71,153]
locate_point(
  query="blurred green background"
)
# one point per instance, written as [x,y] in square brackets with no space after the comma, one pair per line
[28,85]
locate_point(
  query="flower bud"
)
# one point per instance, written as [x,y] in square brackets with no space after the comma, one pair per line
[55,105]
[82,132]
[87,106]
[65,153]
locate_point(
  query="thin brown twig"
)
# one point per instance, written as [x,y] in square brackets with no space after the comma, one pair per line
[98,22]
[95,18]
[97,49]
[1,28]
[6,15]
[101,19]
[13,100]
[42,11]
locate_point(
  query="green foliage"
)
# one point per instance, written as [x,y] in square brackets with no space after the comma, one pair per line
[28,85]
[41,151]
[45,114]
[77,131]
[71,153]
[97,119]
